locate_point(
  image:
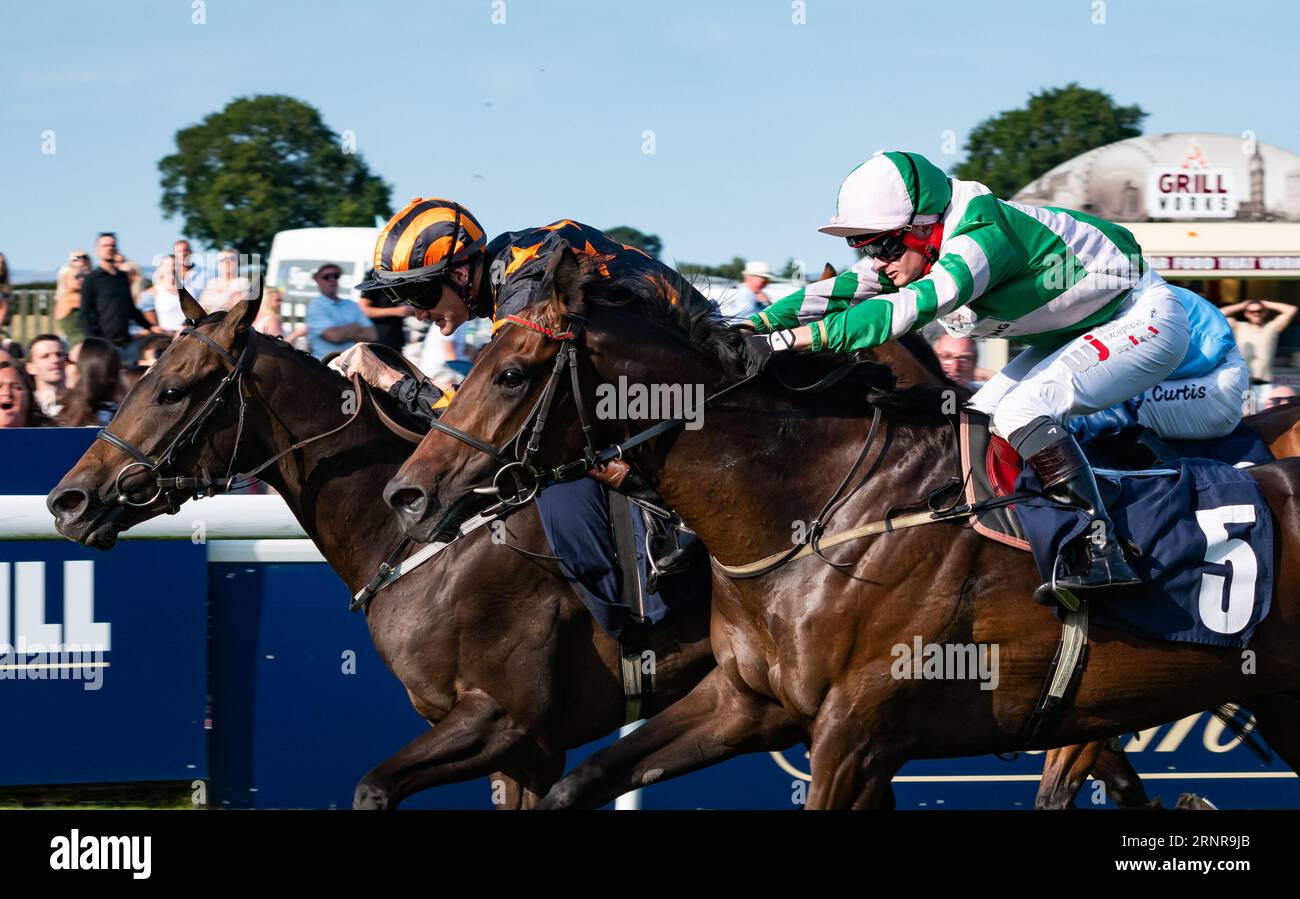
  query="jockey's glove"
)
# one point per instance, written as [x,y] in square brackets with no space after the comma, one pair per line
[760,347]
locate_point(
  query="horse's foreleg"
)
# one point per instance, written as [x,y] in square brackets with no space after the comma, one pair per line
[859,779]
[716,721]
[525,787]
[1064,771]
[848,771]
[473,740]
[1068,767]
[1123,783]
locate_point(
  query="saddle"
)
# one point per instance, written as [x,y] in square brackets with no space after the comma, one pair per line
[989,469]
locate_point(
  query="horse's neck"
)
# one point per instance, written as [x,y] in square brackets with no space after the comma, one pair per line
[762,466]
[334,486]
[909,370]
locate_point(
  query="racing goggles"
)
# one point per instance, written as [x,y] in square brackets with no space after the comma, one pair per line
[419,294]
[885,246]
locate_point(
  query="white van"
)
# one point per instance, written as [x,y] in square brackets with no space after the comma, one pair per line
[295,256]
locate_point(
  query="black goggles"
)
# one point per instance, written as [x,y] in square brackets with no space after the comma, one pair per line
[886,246]
[420,294]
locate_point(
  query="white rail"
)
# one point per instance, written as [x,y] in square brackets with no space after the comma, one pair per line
[216,518]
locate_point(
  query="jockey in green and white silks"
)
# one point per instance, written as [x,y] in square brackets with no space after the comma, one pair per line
[1103,329]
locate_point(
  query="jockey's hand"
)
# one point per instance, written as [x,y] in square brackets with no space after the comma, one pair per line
[359,360]
[760,347]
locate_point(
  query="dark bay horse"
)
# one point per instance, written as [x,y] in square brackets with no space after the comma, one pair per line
[494,648]
[805,652]
[1066,769]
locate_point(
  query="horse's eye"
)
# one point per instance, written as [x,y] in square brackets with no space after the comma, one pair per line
[511,377]
[171,395]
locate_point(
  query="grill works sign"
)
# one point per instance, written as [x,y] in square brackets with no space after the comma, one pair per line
[1190,190]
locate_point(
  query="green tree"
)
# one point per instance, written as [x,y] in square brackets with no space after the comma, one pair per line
[1011,149]
[728,270]
[630,236]
[261,165]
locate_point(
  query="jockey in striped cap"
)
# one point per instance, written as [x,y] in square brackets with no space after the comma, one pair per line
[1102,328]
[433,254]
[429,245]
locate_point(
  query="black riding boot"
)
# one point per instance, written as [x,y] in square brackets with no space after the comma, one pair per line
[1095,561]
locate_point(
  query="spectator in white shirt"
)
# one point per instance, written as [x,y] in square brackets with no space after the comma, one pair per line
[161,303]
[749,299]
[228,287]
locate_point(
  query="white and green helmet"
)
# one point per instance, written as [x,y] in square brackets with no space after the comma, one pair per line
[890,190]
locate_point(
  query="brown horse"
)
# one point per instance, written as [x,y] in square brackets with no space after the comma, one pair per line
[806,651]
[494,648]
[1065,769]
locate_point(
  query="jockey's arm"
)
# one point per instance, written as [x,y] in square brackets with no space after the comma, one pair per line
[975,261]
[819,299]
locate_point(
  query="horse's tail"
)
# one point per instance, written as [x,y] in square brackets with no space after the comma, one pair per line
[1237,720]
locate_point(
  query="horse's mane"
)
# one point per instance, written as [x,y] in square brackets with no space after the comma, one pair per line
[276,340]
[381,397]
[685,312]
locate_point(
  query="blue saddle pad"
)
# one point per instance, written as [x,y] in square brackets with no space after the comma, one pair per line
[1205,536]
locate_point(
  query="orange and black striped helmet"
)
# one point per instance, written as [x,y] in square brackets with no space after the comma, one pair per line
[422,241]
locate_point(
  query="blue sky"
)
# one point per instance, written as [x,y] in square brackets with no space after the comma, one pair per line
[755,119]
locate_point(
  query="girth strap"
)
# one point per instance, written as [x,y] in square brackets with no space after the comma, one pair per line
[1070,660]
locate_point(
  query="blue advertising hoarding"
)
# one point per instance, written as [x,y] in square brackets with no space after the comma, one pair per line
[104,669]
[301,706]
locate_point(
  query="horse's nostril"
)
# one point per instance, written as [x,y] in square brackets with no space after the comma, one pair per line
[69,503]
[408,500]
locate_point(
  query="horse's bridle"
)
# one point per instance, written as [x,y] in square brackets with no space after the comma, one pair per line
[176,490]
[519,463]
[535,424]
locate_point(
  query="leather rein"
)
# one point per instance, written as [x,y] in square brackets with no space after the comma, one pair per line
[535,425]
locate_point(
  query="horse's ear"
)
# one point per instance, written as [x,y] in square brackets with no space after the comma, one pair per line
[244,313]
[828,272]
[564,272]
[190,306]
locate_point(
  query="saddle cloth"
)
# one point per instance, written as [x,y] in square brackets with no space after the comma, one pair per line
[990,468]
[1200,537]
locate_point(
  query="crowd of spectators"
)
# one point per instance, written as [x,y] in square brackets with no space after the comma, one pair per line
[112,323]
